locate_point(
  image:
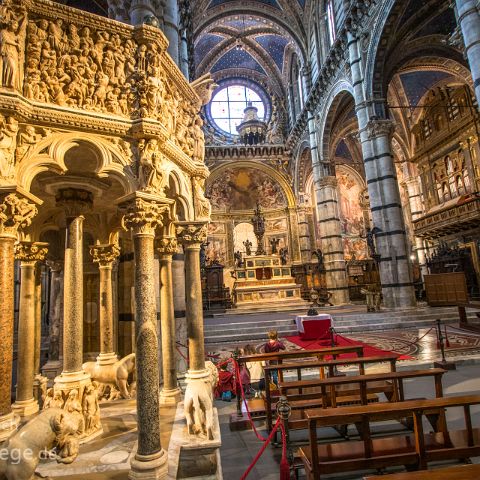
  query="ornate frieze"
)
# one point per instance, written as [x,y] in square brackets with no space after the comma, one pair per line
[105,255]
[31,251]
[15,212]
[189,233]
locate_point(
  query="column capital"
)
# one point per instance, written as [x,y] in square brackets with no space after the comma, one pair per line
[143,215]
[104,254]
[31,251]
[328,181]
[380,128]
[191,233]
[15,212]
[166,245]
[75,201]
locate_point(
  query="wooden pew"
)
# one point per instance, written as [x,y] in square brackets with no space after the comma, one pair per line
[414,450]
[311,398]
[459,472]
[287,355]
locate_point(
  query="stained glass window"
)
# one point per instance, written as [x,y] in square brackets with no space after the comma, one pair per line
[228,104]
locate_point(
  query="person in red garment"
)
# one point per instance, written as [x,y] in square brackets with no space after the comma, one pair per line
[273,345]
[226,388]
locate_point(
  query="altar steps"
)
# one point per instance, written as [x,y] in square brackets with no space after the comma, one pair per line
[243,328]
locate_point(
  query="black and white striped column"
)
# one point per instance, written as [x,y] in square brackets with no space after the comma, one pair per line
[469,21]
[385,202]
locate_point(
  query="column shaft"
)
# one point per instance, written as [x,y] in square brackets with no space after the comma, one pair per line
[194,307]
[469,20]
[106,309]
[167,318]
[26,339]
[6,322]
[146,356]
[73,297]
[38,320]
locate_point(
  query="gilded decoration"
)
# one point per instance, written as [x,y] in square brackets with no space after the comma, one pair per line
[31,251]
[104,255]
[15,213]
[189,233]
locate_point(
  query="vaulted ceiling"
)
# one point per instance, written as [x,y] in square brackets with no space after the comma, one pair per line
[252,39]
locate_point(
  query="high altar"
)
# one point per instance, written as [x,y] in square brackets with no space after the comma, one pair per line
[264,279]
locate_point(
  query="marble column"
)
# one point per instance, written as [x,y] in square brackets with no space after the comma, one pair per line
[331,239]
[328,218]
[191,235]
[142,217]
[170,393]
[29,253]
[53,367]
[304,234]
[140,10]
[170,29]
[105,255]
[15,212]
[75,202]
[382,183]
[40,382]
[294,247]
[469,21]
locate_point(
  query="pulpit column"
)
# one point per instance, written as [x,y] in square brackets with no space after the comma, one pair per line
[28,253]
[143,215]
[15,212]
[105,255]
[170,393]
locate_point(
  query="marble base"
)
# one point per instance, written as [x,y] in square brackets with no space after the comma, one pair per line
[51,370]
[24,408]
[107,358]
[8,425]
[67,381]
[170,397]
[194,457]
[149,467]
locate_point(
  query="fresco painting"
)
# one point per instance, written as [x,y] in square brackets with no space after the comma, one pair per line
[216,250]
[351,215]
[241,189]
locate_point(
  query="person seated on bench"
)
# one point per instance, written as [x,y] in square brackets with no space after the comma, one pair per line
[255,369]
[226,388]
[272,346]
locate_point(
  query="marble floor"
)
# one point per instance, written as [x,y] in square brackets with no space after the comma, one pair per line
[108,456]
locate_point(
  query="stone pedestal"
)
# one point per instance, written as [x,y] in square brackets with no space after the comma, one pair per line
[28,253]
[170,393]
[143,214]
[17,212]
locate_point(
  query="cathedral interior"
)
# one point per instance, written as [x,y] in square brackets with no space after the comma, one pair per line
[179,178]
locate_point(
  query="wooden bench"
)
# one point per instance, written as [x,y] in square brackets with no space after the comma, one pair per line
[459,472]
[288,355]
[463,315]
[412,450]
[310,396]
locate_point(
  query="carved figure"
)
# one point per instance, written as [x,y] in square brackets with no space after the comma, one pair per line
[91,410]
[248,247]
[150,173]
[283,255]
[52,428]
[12,38]
[115,375]
[53,399]
[74,407]
[26,140]
[238,258]
[274,244]
[199,141]
[204,87]
[198,407]
[202,205]
[8,142]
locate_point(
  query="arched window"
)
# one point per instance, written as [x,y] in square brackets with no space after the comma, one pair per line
[331,21]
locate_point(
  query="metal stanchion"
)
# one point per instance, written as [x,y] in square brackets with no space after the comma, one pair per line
[284,410]
[444,363]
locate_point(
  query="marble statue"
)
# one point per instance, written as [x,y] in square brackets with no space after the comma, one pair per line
[150,172]
[53,399]
[115,375]
[8,143]
[91,410]
[198,407]
[274,244]
[248,247]
[202,205]
[51,429]
[74,407]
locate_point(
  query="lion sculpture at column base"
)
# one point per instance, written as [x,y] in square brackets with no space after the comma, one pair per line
[115,376]
[53,433]
[198,403]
